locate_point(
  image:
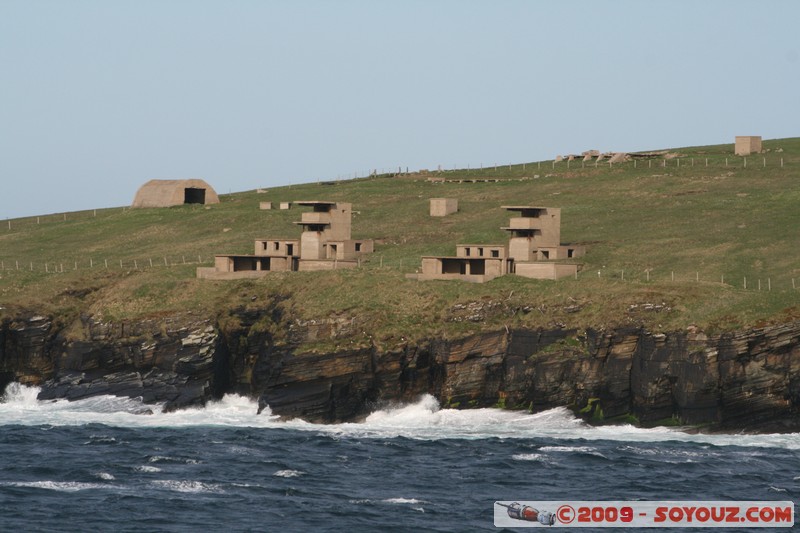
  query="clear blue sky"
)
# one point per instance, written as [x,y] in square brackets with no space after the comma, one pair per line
[97,97]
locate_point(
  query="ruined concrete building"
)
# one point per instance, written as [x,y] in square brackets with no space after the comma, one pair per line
[533,247]
[324,244]
[167,193]
[746,145]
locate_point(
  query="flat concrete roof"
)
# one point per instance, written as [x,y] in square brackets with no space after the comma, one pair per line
[314,202]
[461,258]
[520,207]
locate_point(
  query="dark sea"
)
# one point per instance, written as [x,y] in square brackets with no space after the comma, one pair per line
[105,464]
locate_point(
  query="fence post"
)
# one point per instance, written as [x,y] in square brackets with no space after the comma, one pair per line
[673,275]
[745,282]
[697,276]
[17,262]
[623,275]
[769,284]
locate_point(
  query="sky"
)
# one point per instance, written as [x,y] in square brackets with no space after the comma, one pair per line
[97,97]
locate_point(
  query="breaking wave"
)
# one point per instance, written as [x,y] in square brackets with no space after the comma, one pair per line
[424,419]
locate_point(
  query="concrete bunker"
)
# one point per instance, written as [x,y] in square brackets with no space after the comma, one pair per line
[324,244]
[533,247]
[168,193]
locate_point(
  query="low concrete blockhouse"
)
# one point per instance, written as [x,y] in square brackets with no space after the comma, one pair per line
[746,145]
[285,205]
[441,207]
[167,193]
[265,205]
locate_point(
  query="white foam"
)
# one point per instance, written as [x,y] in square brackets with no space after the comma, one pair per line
[423,419]
[147,468]
[193,487]
[105,475]
[412,501]
[529,457]
[60,486]
[288,473]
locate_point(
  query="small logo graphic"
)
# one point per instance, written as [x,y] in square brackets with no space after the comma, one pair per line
[528,513]
[565,514]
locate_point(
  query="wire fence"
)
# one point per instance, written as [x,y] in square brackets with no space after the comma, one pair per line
[99,265]
[751,282]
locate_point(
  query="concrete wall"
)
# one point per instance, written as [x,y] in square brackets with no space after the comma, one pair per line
[550,253]
[482,250]
[317,265]
[461,268]
[441,207]
[347,250]
[277,247]
[166,193]
[212,274]
[746,145]
[521,249]
[545,270]
[265,205]
[311,245]
[285,205]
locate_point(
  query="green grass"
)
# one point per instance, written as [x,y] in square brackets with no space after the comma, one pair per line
[719,224]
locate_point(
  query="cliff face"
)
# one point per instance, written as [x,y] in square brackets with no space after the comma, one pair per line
[742,380]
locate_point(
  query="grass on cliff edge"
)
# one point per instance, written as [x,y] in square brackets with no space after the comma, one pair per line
[667,246]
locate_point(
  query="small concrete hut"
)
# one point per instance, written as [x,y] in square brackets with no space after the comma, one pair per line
[166,193]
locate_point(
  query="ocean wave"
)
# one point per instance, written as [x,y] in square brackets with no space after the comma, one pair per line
[529,457]
[147,468]
[60,486]
[193,487]
[288,473]
[410,501]
[424,419]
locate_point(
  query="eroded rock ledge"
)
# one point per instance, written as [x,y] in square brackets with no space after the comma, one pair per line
[747,380]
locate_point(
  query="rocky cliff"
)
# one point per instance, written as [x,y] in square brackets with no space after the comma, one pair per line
[746,380]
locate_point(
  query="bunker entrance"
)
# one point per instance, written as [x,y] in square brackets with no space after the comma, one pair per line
[192,195]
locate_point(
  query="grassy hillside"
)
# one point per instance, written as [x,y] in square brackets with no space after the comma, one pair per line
[670,242]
